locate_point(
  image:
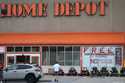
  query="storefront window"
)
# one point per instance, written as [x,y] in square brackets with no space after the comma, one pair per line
[60,55]
[23,49]
[52,55]
[76,58]
[10,60]
[101,56]
[18,49]
[22,59]
[35,49]
[63,55]
[45,56]
[76,49]
[76,55]
[27,49]
[10,49]
[68,55]
[35,60]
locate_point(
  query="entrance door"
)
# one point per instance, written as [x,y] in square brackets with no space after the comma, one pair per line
[23,59]
[1,60]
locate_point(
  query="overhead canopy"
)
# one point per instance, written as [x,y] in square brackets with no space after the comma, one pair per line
[77,38]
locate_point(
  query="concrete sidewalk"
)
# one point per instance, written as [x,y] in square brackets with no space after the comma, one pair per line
[80,79]
[77,79]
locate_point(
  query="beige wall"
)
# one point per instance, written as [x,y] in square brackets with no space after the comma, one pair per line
[115,21]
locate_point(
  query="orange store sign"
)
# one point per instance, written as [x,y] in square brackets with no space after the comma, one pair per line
[75,9]
[66,8]
[26,9]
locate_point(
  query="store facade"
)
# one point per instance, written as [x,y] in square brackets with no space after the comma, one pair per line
[68,49]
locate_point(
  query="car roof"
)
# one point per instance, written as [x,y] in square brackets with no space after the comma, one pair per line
[23,64]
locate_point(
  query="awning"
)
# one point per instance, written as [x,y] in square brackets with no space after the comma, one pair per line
[78,38]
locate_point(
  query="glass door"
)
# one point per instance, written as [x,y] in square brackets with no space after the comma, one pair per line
[23,59]
[1,61]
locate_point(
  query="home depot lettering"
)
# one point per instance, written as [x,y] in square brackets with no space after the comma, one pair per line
[75,9]
[27,9]
[66,8]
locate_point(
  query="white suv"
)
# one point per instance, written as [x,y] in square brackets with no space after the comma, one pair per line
[31,73]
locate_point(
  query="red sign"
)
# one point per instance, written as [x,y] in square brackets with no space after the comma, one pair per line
[20,9]
[66,8]
[75,9]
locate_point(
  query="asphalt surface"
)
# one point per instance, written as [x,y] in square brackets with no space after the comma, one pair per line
[77,79]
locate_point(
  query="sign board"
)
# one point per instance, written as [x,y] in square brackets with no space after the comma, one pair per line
[98,56]
[64,8]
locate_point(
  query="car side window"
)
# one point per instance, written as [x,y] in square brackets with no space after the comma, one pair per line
[24,67]
[12,67]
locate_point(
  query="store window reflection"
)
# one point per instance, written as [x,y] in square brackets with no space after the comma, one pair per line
[64,55]
[10,60]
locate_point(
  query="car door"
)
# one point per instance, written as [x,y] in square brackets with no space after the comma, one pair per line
[22,70]
[10,72]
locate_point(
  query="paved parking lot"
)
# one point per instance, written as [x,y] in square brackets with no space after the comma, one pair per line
[78,79]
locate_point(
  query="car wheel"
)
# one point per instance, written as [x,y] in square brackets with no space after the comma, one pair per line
[30,79]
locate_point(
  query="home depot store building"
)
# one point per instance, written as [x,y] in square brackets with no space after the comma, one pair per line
[68,49]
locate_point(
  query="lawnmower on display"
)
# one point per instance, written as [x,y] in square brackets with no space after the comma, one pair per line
[95,72]
[122,71]
[61,72]
[104,72]
[72,71]
[114,72]
[84,72]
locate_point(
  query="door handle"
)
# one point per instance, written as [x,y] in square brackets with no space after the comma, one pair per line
[14,71]
[26,71]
